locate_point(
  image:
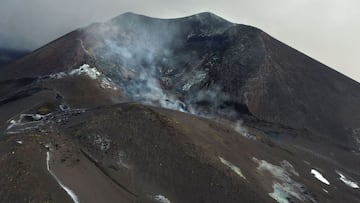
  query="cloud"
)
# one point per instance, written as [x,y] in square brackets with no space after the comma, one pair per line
[327,30]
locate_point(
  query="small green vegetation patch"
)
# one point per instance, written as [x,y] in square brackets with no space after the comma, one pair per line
[46,108]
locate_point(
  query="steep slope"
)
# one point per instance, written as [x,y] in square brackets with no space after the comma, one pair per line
[296,90]
[62,54]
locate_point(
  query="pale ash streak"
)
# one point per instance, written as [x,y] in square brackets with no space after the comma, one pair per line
[347,181]
[232,167]
[285,189]
[67,190]
[161,198]
[319,176]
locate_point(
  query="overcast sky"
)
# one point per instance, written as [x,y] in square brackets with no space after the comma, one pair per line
[328,30]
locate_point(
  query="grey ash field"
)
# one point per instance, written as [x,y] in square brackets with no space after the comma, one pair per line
[195,109]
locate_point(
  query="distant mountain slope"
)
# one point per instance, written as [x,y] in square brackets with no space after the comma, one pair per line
[9,55]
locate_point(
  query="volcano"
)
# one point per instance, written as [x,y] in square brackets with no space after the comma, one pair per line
[193,109]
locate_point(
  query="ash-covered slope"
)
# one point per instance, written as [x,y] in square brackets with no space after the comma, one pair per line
[134,153]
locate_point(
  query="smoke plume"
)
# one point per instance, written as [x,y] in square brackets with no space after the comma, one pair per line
[140,54]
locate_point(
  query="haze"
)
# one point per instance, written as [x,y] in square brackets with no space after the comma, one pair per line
[327,30]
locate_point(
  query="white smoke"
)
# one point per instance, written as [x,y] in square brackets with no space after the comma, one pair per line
[243,130]
[136,46]
[206,102]
[140,55]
